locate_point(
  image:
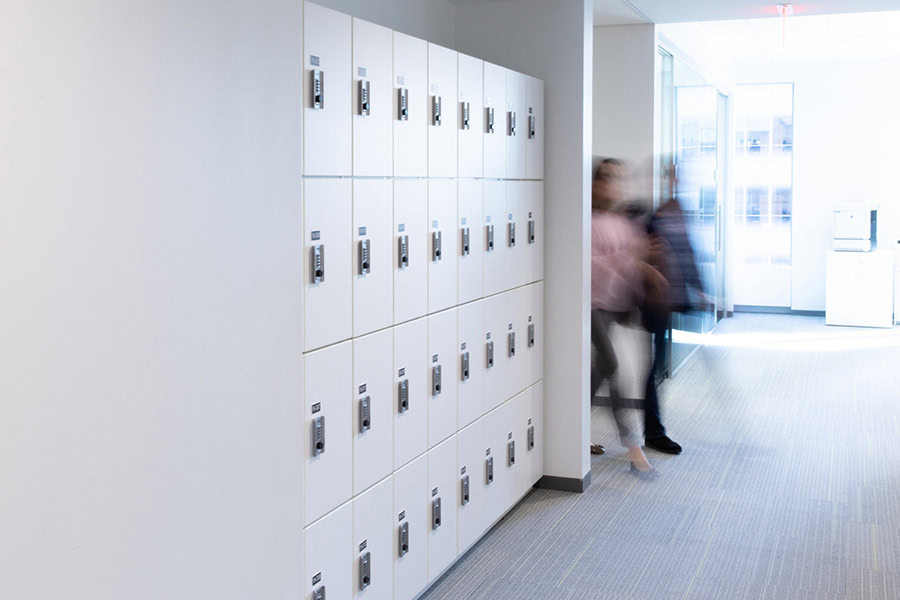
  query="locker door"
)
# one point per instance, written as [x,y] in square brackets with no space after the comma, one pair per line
[536,444]
[496,482]
[516,232]
[372,544]
[442,244]
[329,555]
[494,121]
[533,231]
[470,472]
[411,522]
[327,441]
[521,469]
[442,496]
[410,250]
[494,347]
[327,297]
[516,120]
[372,107]
[496,266]
[373,409]
[442,94]
[470,333]
[470,238]
[443,373]
[534,129]
[409,393]
[534,336]
[373,276]
[470,116]
[327,131]
[411,106]
[516,306]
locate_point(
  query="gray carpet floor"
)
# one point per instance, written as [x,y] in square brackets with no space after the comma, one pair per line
[789,486]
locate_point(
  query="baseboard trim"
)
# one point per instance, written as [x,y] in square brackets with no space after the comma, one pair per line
[808,313]
[565,484]
[775,310]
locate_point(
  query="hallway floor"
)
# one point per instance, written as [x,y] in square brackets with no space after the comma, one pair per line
[788,488]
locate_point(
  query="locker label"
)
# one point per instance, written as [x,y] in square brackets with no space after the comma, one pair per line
[401,227]
[313,62]
[361,71]
[401,80]
[487,452]
[316,407]
[434,88]
[462,471]
[509,435]
[362,231]
[401,516]
[401,372]
[462,221]
[315,235]
[434,492]
[529,421]
[530,318]
[363,545]
[434,358]
[362,388]
[462,346]
[317,578]
[487,336]
[487,219]
[509,327]
[434,224]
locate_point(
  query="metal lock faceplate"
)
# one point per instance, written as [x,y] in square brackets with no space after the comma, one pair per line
[490,237]
[512,123]
[436,110]
[512,343]
[403,104]
[531,230]
[465,366]
[465,490]
[531,127]
[531,438]
[404,539]
[403,251]
[318,263]
[318,435]
[318,89]
[489,470]
[435,513]
[436,380]
[511,452]
[531,335]
[319,593]
[511,228]
[490,119]
[489,352]
[365,108]
[364,256]
[404,396]
[365,414]
[465,115]
[436,246]
[365,570]
[465,241]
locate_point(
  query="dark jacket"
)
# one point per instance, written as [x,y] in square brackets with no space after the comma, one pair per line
[681,270]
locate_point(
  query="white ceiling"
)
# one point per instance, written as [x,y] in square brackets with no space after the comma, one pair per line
[682,11]
[615,12]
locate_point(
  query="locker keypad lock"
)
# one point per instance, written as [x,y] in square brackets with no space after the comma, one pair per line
[403,104]
[531,124]
[512,234]
[465,115]
[436,246]
[404,539]
[318,263]
[531,230]
[512,123]
[365,414]
[365,247]
[531,438]
[465,490]
[319,593]
[531,335]
[465,241]
[403,240]
[436,109]
[318,435]
[490,354]
[490,119]
[365,570]
[512,344]
[490,237]
[404,396]
[365,108]
[435,513]
[511,447]
[489,471]
[465,366]
[318,90]
[436,380]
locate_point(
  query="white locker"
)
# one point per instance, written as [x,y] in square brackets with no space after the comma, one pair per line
[516,232]
[327,129]
[495,430]
[517,454]
[372,107]
[373,275]
[533,231]
[442,497]
[328,294]
[443,372]
[410,391]
[410,249]
[328,445]
[470,334]
[494,121]
[373,520]
[373,409]
[442,94]
[411,522]
[411,106]
[535,439]
[470,117]
[442,244]
[496,253]
[495,358]
[534,128]
[470,264]
[516,120]
[470,488]
[329,556]
[516,306]
[534,333]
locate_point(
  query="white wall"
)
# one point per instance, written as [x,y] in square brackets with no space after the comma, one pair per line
[845,132]
[150,305]
[431,20]
[552,41]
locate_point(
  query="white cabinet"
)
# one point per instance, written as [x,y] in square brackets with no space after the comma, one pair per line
[329,556]
[470,493]
[327,290]
[442,377]
[535,434]
[327,441]
[533,344]
[326,115]
[442,244]
[496,253]
[470,334]
[516,125]
[442,93]
[516,232]
[497,483]
[517,307]
[411,106]
[470,263]
[442,502]
[372,108]
[859,288]
[494,121]
[534,129]
[373,520]
[410,249]
[373,414]
[410,394]
[533,231]
[373,275]
[521,467]
[411,526]
[470,116]
[495,353]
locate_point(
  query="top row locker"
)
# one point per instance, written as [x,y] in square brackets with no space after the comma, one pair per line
[471,116]
[442,120]
[372,74]
[534,129]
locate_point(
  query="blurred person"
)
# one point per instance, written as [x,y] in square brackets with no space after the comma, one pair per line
[619,276]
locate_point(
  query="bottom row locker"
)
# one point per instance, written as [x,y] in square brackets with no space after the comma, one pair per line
[410,518]
[373,569]
[442,508]
[328,556]
[471,503]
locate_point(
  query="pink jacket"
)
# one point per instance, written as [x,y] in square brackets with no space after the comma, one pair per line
[616,254]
